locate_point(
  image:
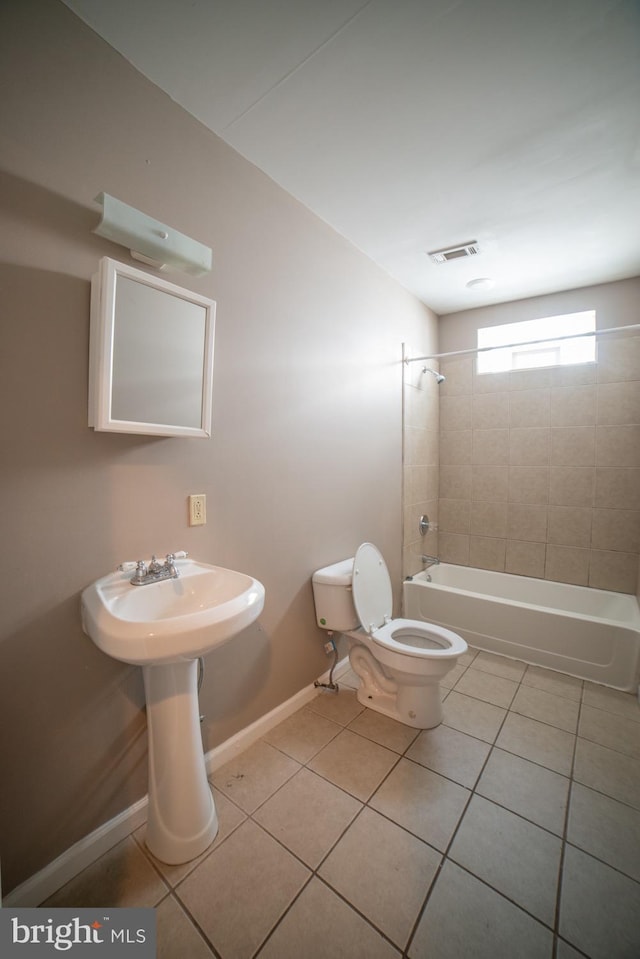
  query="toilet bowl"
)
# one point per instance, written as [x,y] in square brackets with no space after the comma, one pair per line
[400,662]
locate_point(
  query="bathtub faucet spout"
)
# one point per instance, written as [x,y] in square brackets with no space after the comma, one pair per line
[430,561]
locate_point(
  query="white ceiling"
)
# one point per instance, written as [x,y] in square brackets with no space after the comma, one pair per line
[411,125]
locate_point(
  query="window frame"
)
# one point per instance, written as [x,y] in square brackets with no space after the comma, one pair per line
[574,345]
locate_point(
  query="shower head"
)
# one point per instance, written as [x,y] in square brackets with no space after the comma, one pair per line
[439,377]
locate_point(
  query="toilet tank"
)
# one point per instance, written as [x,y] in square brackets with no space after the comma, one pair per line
[333,597]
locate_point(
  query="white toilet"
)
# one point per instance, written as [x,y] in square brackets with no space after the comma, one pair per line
[399,661]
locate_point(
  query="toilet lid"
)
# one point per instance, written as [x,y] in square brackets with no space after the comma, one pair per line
[372,594]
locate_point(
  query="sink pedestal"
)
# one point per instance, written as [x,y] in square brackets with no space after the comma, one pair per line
[182,816]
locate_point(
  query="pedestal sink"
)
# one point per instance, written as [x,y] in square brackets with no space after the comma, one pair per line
[165,627]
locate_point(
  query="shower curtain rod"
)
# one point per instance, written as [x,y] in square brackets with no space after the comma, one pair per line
[506,346]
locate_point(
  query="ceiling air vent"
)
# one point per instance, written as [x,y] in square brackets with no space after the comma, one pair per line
[454,252]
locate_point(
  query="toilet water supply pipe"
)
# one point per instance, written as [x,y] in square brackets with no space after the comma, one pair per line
[330,685]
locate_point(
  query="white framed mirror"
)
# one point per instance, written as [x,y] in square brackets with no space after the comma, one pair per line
[150,356]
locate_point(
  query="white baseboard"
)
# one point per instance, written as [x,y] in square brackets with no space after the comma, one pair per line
[43,884]
[83,853]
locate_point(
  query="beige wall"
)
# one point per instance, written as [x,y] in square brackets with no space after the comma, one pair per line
[305,460]
[540,469]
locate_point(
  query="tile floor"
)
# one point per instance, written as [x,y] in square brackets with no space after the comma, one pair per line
[513,829]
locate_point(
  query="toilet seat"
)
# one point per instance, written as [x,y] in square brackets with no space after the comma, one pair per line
[421,640]
[371,584]
[373,600]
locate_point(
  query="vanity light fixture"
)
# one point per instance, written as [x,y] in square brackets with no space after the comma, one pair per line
[150,241]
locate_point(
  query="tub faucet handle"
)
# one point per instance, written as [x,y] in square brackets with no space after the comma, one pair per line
[426,526]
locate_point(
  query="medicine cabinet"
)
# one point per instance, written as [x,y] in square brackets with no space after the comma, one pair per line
[151,354]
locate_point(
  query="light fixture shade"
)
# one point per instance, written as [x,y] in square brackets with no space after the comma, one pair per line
[149,240]
[481,283]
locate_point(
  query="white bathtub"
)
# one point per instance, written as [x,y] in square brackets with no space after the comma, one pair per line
[590,633]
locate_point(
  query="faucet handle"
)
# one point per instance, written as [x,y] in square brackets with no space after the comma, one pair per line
[172,557]
[140,573]
[170,565]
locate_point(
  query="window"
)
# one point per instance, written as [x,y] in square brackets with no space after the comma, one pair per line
[510,355]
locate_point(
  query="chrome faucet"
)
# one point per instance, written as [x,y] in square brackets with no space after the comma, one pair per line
[430,561]
[155,572]
[154,568]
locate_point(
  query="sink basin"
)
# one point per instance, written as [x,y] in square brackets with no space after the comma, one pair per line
[173,620]
[165,627]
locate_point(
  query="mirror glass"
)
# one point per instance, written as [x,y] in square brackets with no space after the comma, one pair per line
[151,355]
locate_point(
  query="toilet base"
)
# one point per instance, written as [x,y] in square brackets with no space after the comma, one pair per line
[417,706]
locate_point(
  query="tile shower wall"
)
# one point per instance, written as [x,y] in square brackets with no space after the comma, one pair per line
[420,464]
[540,469]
